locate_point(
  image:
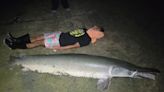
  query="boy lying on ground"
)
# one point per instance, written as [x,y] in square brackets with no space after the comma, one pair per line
[56,40]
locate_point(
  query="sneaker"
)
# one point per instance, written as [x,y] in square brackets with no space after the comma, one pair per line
[10,37]
[8,43]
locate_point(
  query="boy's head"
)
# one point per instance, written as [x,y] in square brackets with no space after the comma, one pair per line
[96,32]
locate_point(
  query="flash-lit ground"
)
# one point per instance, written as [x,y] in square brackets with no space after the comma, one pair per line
[132,33]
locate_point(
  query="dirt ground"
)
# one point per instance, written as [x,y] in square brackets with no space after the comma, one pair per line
[132,33]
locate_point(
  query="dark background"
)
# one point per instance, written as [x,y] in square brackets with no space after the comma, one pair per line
[146,13]
[133,32]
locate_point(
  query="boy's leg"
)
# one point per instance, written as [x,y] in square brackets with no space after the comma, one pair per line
[35,44]
[55,4]
[24,42]
[65,4]
[37,38]
[22,39]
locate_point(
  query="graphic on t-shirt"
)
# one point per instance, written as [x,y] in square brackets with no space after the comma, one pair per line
[77,33]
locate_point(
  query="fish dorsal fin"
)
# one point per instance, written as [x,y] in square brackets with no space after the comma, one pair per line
[103,84]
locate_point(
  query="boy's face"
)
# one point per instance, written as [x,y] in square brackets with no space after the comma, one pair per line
[96,32]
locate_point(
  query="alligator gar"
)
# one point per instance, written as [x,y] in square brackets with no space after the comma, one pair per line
[83,65]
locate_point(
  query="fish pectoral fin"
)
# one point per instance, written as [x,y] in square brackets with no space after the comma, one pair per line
[103,84]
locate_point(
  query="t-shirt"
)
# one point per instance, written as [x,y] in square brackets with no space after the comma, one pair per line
[72,37]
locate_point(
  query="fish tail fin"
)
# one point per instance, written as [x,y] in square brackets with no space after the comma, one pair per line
[147,73]
[16,57]
[12,59]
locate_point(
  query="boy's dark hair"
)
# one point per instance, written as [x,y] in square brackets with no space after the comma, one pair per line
[101,29]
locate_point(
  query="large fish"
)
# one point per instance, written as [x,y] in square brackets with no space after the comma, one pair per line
[82,65]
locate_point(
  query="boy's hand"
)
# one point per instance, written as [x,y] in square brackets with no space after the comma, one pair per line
[93,41]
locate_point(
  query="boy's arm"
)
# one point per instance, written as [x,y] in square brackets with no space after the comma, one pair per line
[76,45]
